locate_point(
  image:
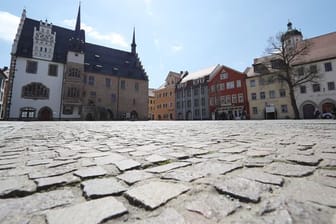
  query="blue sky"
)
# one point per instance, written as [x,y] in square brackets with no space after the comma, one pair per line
[176,35]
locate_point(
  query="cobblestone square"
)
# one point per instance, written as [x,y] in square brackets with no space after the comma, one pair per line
[281,171]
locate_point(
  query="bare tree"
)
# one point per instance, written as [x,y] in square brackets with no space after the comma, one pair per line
[287,54]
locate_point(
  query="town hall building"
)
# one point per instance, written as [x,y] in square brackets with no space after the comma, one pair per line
[56,75]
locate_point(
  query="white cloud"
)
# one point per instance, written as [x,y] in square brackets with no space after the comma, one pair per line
[113,38]
[8,26]
[177,48]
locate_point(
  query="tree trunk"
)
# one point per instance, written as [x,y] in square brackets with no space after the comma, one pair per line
[293,102]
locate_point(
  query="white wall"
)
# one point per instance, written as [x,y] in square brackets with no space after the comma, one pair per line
[318,97]
[21,78]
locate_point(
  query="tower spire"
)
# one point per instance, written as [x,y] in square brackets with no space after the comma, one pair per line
[133,45]
[77,29]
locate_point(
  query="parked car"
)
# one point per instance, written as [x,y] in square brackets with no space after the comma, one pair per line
[327,115]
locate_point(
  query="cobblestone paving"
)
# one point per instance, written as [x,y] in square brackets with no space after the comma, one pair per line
[168,172]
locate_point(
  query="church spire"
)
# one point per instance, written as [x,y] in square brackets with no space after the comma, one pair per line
[133,45]
[77,29]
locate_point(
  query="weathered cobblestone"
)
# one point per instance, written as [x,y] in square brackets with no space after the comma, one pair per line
[168,172]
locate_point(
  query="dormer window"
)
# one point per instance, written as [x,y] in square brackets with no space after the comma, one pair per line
[97,56]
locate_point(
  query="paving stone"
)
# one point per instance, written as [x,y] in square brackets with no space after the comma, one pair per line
[169,215]
[258,153]
[126,164]
[262,177]
[8,166]
[94,154]
[133,176]
[234,150]
[156,159]
[12,208]
[94,171]
[38,162]
[241,188]
[289,170]
[102,187]
[305,190]
[16,186]
[55,181]
[167,167]
[178,155]
[95,211]
[257,161]
[155,193]
[304,160]
[231,158]
[111,158]
[212,206]
[51,172]
[60,163]
[201,170]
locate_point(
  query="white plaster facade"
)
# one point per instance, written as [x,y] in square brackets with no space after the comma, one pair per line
[22,78]
[327,92]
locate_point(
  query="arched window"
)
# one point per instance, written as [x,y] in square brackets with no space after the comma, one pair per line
[74,72]
[35,90]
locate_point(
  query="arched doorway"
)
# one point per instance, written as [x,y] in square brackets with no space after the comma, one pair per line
[134,115]
[45,114]
[89,117]
[188,115]
[328,107]
[110,114]
[308,111]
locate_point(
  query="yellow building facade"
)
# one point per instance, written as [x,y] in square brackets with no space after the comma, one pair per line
[268,96]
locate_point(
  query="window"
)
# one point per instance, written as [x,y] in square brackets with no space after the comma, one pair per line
[84,79]
[277,64]
[122,84]
[222,100]
[31,67]
[74,72]
[203,112]
[272,94]
[282,92]
[303,89]
[35,91]
[300,71]
[197,112]
[253,96]
[91,80]
[113,98]
[178,105]
[252,83]
[224,75]
[313,68]
[195,92]
[316,87]
[53,70]
[284,109]
[262,95]
[213,88]
[234,98]
[255,110]
[212,101]
[108,82]
[238,83]
[240,98]
[331,85]
[68,110]
[73,92]
[202,90]
[222,86]
[189,103]
[228,99]
[93,94]
[328,67]
[27,113]
[230,85]
[136,86]
[196,102]
[188,92]
[203,102]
